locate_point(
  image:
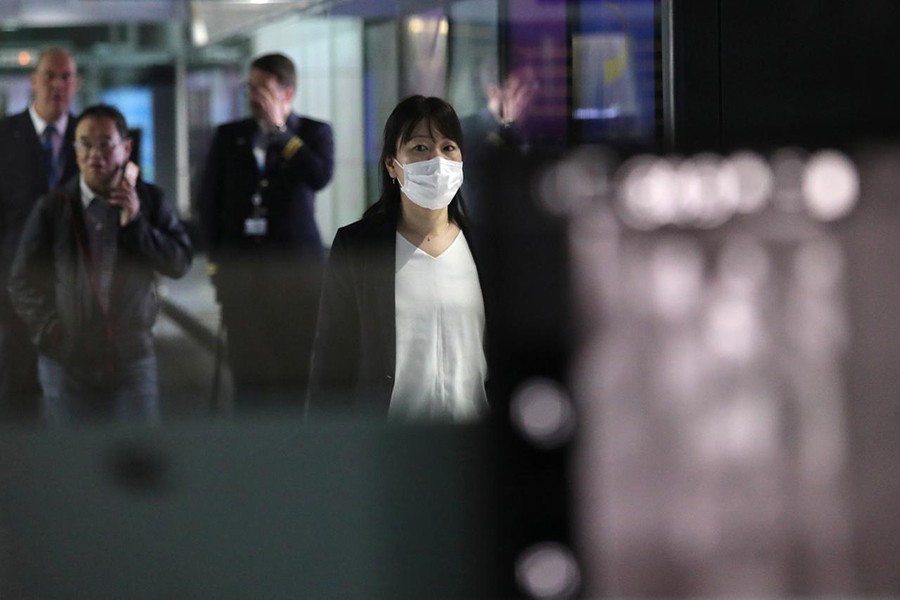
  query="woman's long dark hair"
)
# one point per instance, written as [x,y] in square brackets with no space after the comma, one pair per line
[398,130]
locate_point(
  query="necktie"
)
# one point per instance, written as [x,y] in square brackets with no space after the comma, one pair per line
[48,140]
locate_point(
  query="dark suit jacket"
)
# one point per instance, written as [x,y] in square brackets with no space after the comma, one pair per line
[483,138]
[355,351]
[24,180]
[287,187]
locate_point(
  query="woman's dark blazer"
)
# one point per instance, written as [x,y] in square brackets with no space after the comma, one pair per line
[354,355]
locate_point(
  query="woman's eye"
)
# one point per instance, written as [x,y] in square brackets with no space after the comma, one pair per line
[420,148]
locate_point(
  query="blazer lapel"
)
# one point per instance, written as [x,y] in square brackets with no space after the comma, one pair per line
[384,281]
[26,139]
[243,144]
[69,164]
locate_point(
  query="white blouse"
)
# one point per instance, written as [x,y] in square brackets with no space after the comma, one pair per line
[441,367]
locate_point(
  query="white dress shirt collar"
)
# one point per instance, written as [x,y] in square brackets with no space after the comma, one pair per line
[40,124]
[87,194]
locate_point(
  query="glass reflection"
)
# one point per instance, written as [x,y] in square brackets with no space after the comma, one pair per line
[712,387]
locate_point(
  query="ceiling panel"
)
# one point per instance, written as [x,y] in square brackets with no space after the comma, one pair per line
[56,13]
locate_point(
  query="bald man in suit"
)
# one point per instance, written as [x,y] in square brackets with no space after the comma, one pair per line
[33,160]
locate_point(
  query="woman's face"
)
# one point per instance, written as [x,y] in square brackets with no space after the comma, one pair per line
[425,143]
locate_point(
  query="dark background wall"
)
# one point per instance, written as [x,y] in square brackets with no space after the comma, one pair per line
[766,72]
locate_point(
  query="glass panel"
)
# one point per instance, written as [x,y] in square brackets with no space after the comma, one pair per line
[136,104]
[614,68]
[424,39]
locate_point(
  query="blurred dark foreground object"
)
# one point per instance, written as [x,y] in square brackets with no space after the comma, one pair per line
[256,509]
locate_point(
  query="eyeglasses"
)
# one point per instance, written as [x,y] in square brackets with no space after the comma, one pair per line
[101,146]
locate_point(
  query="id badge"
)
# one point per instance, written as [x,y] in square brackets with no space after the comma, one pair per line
[255,226]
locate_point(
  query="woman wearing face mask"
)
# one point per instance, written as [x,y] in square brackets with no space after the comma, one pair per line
[401,321]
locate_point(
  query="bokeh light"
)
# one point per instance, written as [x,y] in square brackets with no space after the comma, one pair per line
[548,570]
[754,180]
[542,411]
[830,185]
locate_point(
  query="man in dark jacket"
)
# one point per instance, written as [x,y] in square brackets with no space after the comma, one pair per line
[83,279]
[36,155]
[495,129]
[257,203]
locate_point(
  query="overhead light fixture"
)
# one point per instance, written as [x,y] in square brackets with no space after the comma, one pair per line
[199,32]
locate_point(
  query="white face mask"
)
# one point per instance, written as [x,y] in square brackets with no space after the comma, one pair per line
[432,183]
